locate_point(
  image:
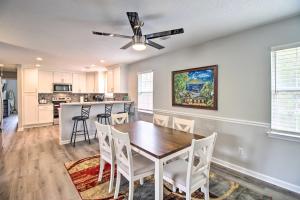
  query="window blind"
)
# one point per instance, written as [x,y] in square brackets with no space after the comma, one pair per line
[145,91]
[285,109]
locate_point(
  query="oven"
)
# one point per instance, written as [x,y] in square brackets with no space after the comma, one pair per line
[59,87]
[56,106]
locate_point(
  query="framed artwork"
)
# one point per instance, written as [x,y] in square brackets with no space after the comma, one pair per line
[196,87]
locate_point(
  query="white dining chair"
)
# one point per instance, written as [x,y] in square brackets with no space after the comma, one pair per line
[107,152]
[120,118]
[184,125]
[132,166]
[161,120]
[193,174]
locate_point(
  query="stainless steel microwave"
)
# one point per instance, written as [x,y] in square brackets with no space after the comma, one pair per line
[60,87]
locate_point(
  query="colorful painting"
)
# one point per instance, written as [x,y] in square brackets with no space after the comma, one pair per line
[197,87]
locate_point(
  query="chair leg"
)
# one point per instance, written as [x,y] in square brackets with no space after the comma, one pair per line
[206,191]
[118,182]
[131,190]
[108,119]
[188,195]
[141,181]
[72,132]
[87,132]
[75,133]
[174,188]
[102,164]
[105,119]
[84,131]
[112,176]
[96,130]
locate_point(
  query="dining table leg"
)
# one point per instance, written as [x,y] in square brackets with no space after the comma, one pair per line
[159,190]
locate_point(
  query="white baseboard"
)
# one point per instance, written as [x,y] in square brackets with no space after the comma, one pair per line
[78,139]
[257,175]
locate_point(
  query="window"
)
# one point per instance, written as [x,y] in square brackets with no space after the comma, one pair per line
[285,108]
[145,91]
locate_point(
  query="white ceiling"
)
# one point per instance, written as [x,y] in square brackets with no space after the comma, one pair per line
[59,31]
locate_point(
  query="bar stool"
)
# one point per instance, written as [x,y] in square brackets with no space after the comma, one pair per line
[85,113]
[106,115]
[127,108]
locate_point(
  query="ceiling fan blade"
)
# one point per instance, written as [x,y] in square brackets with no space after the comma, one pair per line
[164,33]
[134,20]
[111,34]
[126,45]
[154,44]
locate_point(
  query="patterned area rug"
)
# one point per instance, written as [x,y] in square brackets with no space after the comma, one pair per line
[84,175]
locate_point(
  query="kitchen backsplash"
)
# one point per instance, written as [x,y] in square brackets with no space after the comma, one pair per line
[76,97]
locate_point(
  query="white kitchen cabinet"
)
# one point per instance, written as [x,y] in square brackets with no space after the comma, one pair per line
[30,80]
[45,83]
[91,82]
[79,82]
[30,108]
[110,81]
[45,114]
[62,77]
[116,79]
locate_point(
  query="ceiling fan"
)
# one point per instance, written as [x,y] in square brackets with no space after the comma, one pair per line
[138,40]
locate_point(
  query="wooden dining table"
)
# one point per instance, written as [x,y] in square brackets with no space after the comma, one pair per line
[158,144]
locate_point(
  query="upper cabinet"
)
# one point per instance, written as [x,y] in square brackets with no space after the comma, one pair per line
[62,77]
[91,78]
[110,81]
[45,81]
[30,80]
[79,83]
[116,79]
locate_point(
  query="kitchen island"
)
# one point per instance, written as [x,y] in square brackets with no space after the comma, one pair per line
[69,110]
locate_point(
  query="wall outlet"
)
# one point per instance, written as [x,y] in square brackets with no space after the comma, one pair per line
[242,152]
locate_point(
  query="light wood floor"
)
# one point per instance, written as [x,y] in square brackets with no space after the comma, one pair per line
[32,165]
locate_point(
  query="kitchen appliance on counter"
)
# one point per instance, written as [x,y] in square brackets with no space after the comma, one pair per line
[56,105]
[99,97]
[60,87]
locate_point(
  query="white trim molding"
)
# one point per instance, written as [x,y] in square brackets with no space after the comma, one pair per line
[211,117]
[257,175]
[284,136]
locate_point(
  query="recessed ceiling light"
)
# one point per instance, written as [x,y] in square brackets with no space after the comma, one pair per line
[39,58]
[37,65]
[102,61]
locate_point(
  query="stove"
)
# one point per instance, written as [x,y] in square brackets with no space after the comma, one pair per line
[56,105]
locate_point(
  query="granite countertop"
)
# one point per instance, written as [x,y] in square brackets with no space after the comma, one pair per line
[93,103]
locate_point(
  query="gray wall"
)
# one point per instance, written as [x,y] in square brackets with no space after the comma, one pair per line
[244,94]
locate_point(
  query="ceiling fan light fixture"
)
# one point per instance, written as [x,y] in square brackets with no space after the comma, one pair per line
[139,46]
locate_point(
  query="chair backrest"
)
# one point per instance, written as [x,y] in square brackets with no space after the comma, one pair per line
[185,125]
[123,151]
[85,110]
[200,155]
[161,120]
[106,144]
[120,118]
[127,107]
[108,108]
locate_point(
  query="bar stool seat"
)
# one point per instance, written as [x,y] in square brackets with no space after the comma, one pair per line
[79,118]
[103,115]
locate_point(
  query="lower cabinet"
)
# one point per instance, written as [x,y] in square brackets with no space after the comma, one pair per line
[30,108]
[45,114]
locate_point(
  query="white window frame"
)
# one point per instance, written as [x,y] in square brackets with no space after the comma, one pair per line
[141,109]
[281,134]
